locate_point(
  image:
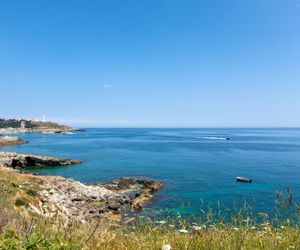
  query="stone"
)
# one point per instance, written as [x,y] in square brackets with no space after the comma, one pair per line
[11,140]
[13,160]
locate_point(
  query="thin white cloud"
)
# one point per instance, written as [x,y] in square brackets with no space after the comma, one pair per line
[107,86]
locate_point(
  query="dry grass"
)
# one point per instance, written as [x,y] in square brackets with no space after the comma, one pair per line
[40,234]
[22,230]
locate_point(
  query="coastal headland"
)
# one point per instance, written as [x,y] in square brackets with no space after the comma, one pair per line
[69,199]
[58,196]
[16,126]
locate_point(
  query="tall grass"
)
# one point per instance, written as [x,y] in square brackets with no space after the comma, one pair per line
[214,229]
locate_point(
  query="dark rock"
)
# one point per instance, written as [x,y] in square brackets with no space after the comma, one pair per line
[77,199]
[134,192]
[14,160]
[103,210]
[114,206]
[137,206]
[124,184]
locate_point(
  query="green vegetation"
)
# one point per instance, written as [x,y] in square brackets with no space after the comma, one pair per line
[39,233]
[21,202]
[213,230]
[14,123]
[49,125]
[31,192]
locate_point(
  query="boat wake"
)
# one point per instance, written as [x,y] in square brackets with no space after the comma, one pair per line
[213,138]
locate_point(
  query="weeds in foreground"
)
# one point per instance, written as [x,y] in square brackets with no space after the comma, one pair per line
[212,230]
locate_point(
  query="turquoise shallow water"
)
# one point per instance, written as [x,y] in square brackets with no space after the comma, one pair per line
[194,164]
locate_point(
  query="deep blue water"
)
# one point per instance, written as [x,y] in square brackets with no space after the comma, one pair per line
[194,164]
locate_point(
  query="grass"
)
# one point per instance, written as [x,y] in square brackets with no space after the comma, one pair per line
[41,234]
[213,230]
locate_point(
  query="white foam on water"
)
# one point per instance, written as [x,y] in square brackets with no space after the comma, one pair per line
[212,138]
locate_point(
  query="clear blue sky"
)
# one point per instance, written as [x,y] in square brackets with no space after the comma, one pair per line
[145,63]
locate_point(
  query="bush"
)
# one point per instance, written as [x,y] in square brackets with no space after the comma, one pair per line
[31,192]
[21,202]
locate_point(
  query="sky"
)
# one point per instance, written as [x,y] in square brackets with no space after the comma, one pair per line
[151,63]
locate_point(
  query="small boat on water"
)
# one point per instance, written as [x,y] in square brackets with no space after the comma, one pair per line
[243,179]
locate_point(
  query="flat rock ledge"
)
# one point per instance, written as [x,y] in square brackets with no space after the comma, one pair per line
[11,140]
[14,160]
[74,200]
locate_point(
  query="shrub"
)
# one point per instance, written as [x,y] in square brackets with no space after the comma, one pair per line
[31,192]
[21,202]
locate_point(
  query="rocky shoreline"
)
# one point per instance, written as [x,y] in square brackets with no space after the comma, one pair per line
[69,199]
[16,126]
[39,130]
[74,200]
[11,140]
[14,160]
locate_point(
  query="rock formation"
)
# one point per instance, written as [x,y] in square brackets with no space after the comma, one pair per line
[13,160]
[74,200]
[10,140]
[70,199]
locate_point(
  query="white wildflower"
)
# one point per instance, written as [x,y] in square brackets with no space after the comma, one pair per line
[166,247]
[183,231]
[161,222]
[197,228]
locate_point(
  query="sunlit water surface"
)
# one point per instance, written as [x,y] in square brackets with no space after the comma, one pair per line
[194,164]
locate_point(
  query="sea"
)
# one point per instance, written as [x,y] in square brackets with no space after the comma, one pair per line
[197,165]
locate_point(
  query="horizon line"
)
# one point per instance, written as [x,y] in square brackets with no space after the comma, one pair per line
[194,127]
